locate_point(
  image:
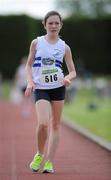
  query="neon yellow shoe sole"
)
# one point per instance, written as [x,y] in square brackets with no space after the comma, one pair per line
[36,162]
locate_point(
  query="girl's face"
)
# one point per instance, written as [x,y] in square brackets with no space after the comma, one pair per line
[53,25]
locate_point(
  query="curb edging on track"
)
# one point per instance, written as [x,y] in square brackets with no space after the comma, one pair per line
[86,133]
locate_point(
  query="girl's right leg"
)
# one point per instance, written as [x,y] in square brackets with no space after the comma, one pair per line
[43,116]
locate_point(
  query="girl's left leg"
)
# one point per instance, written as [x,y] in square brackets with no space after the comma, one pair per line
[57,107]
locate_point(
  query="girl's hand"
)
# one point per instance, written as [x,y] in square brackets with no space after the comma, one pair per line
[30,88]
[67,82]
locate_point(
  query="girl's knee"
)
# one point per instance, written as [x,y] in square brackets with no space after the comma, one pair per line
[43,126]
[55,126]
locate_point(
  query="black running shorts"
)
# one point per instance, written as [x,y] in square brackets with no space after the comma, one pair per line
[56,94]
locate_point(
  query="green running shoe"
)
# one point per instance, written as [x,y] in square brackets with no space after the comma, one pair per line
[36,162]
[48,167]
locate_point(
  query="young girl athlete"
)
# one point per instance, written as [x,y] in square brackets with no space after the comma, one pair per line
[45,77]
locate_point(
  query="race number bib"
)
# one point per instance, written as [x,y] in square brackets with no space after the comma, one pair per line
[51,75]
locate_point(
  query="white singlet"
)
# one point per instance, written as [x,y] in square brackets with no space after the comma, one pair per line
[47,70]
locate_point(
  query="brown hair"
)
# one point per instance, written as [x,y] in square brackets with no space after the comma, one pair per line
[51,13]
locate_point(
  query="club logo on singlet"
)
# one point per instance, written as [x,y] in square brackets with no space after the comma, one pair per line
[48,61]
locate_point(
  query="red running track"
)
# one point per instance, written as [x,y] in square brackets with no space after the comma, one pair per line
[77,158]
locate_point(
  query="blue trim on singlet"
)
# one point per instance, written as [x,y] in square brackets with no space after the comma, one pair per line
[58,63]
[38,58]
[37,65]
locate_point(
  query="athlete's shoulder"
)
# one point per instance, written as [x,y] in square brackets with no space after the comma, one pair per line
[61,40]
[40,38]
[33,45]
[34,42]
[67,47]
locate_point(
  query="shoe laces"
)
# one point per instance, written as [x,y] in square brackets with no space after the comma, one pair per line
[37,158]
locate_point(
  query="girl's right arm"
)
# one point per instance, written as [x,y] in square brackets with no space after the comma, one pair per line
[30,83]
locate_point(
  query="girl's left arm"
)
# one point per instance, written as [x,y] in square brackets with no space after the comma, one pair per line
[70,66]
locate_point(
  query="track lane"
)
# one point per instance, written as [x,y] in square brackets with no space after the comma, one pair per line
[77,158]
